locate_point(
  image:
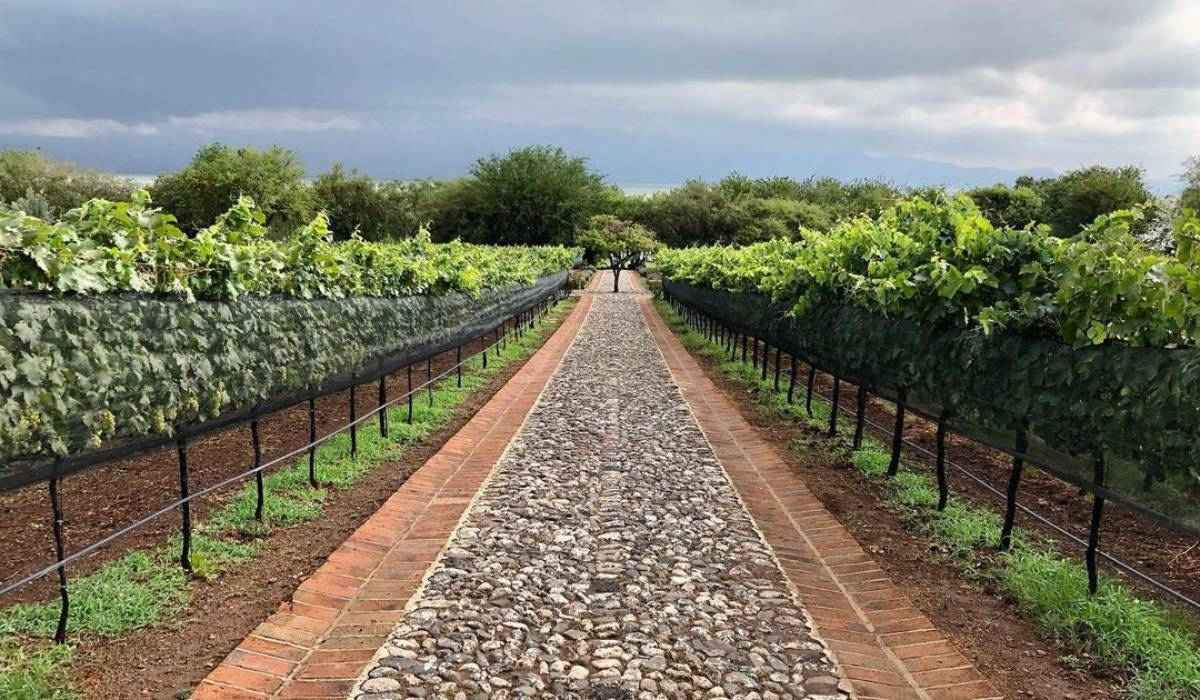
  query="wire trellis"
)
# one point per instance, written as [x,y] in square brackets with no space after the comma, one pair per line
[520,320]
[714,330]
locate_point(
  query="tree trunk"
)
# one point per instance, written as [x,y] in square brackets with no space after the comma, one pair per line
[616,279]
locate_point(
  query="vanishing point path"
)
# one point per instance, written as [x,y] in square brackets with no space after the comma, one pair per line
[606,527]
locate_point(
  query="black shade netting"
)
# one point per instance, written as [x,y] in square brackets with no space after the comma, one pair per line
[88,380]
[1135,409]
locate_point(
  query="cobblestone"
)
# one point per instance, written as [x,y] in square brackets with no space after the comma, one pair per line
[609,556]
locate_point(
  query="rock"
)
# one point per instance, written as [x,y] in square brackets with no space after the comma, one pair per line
[380,685]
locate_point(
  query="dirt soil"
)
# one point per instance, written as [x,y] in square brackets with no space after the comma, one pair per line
[102,500]
[164,660]
[1170,556]
[986,626]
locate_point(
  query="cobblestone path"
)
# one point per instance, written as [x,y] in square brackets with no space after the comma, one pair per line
[608,556]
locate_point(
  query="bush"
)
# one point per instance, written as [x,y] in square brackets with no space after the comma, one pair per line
[781,218]
[1014,207]
[379,211]
[1190,197]
[47,188]
[353,202]
[219,175]
[533,196]
[695,214]
[1075,199]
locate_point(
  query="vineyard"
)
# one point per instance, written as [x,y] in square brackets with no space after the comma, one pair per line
[138,328]
[1079,351]
[1077,356]
[127,343]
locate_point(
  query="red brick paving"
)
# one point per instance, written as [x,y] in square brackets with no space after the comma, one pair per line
[884,647]
[316,645]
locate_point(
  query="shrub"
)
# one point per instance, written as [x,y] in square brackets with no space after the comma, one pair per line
[531,196]
[47,188]
[695,214]
[219,175]
[1075,199]
[1015,207]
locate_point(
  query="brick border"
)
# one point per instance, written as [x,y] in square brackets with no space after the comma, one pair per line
[316,645]
[885,647]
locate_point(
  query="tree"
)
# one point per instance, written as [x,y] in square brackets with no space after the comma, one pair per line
[31,181]
[695,214]
[1015,207]
[352,202]
[219,175]
[626,245]
[536,195]
[1190,197]
[1075,199]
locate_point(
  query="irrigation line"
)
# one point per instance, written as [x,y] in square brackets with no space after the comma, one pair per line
[982,483]
[1028,511]
[233,479]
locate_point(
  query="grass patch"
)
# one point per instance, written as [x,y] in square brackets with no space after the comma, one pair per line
[35,674]
[1113,629]
[144,587]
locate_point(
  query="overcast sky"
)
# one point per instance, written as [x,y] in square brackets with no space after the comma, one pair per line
[945,91]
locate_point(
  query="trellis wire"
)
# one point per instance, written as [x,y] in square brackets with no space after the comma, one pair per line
[1091,546]
[187,496]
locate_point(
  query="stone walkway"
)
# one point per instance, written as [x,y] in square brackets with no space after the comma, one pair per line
[609,556]
[606,526]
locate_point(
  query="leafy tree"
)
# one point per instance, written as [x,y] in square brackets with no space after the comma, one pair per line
[353,202]
[625,244]
[695,214]
[1075,199]
[532,195]
[780,218]
[1015,207]
[49,187]
[219,175]
[1190,198]
[378,211]
[410,206]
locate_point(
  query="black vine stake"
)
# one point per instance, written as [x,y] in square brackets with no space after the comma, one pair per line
[429,379]
[777,369]
[458,362]
[353,417]
[812,379]
[312,442]
[383,426]
[833,406]
[860,414]
[1094,531]
[258,475]
[898,432]
[1014,482]
[792,381]
[943,486]
[483,342]
[410,395]
[60,633]
[185,506]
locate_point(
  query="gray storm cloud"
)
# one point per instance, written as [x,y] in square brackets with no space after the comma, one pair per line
[651,91]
